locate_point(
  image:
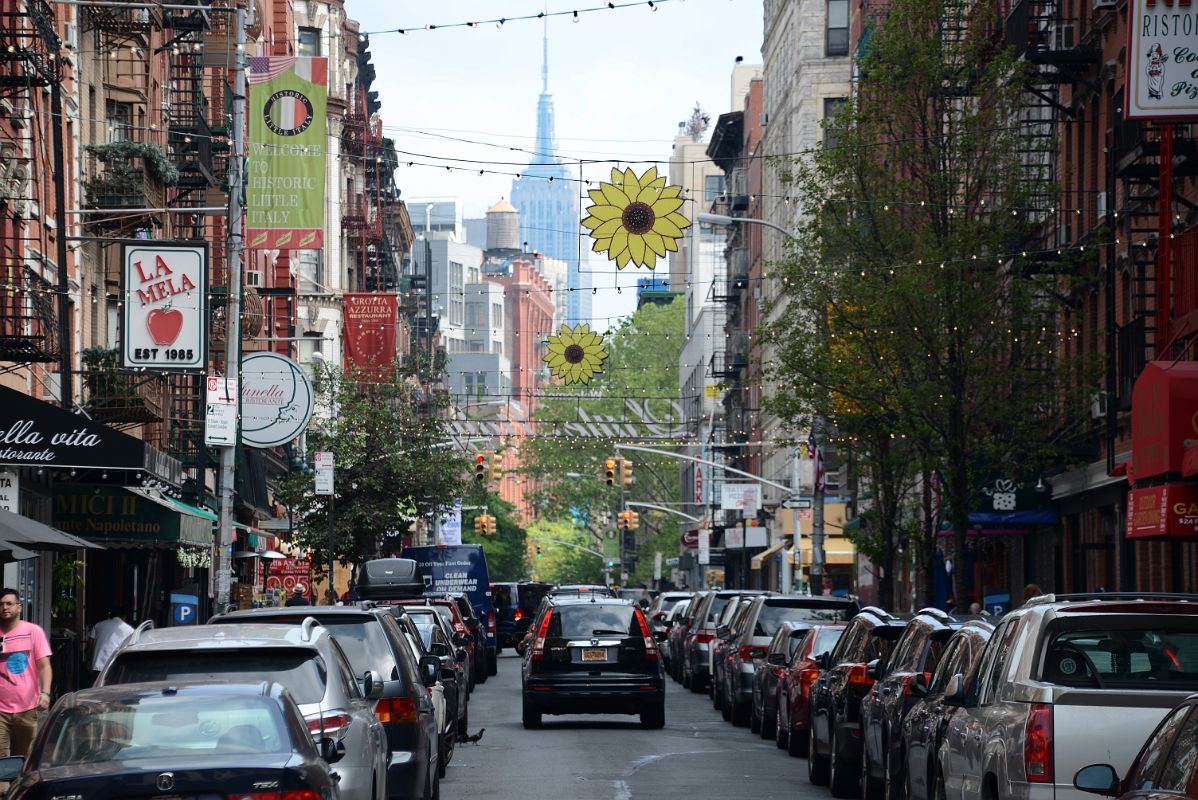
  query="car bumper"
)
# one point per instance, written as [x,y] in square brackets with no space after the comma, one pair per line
[743,686]
[407,773]
[624,694]
[701,660]
[848,741]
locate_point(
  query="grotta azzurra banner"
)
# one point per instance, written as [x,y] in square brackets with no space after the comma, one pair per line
[287,150]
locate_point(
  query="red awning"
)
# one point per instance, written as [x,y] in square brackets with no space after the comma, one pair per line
[1164,407]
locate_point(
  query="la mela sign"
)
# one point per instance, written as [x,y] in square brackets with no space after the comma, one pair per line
[164,325]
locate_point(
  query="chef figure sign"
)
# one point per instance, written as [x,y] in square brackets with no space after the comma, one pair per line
[1156,71]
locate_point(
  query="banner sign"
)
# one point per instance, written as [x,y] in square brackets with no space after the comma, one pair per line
[745,497]
[1163,512]
[276,400]
[164,327]
[449,527]
[285,166]
[371,328]
[288,573]
[1162,60]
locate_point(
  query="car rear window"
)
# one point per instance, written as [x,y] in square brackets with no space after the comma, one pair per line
[716,609]
[365,645]
[164,727]
[825,640]
[585,621]
[501,595]
[302,672]
[1158,653]
[774,612]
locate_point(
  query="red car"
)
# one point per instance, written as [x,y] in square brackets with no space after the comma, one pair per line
[795,684]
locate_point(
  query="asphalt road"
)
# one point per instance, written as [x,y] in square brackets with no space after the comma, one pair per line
[697,755]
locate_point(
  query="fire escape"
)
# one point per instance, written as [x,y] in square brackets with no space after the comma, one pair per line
[361,216]
[28,63]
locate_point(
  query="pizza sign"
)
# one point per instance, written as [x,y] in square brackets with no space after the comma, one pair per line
[164,323]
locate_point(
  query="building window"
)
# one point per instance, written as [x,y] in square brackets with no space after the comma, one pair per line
[120,121]
[713,187]
[311,273]
[832,107]
[309,42]
[838,28]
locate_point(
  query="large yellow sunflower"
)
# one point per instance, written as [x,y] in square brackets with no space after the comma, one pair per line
[576,354]
[635,219]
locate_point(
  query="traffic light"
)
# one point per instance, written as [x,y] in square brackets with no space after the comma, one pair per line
[480,467]
[609,473]
[480,525]
[634,520]
[538,551]
[625,472]
[496,467]
[489,525]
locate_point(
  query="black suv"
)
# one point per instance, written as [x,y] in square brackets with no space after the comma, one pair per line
[593,655]
[372,640]
[916,653]
[848,674]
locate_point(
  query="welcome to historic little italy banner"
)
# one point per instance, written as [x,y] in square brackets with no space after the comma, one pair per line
[287,150]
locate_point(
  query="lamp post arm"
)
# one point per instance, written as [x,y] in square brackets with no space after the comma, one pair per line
[724,219]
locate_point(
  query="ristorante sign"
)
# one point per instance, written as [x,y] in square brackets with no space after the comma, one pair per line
[1162,59]
[371,323]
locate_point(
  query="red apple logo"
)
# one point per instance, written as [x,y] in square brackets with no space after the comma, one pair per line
[164,325]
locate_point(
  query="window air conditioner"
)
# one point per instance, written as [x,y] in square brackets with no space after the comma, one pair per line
[1098,405]
[253,278]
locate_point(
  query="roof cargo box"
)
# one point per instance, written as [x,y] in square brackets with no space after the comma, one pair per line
[390,579]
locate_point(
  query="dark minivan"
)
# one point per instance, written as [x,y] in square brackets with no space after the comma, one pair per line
[593,655]
[516,604]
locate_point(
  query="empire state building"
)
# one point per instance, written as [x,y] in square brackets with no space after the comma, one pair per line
[549,205]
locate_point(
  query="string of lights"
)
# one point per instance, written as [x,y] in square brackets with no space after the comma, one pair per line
[499,22]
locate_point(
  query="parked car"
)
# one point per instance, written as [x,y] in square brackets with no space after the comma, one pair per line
[587,589]
[672,618]
[1062,678]
[226,739]
[515,606]
[727,628]
[462,569]
[767,674]
[305,659]
[593,656]
[477,630]
[444,704]
[661,607]
[684,619]
[794,688]
[752,636]
[371,641]
[884,708]
[846,676]
[923,727]
[437,637]
[448,609]
[1167,765]
[697,659]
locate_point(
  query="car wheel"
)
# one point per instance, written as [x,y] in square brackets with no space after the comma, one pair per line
[443,758]
[841,780]
[654,717]
[531,717]
[769,724]
[894,786]
[869,786]
[817,765]
[713,691]
[754,720]
[464,725]
[796,742]
[738,713]
[939,792]
[781,732]
[480,671]
[493,662]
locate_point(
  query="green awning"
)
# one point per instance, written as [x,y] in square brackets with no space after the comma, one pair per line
[111,515]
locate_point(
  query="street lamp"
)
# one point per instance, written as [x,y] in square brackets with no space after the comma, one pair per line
[817,502]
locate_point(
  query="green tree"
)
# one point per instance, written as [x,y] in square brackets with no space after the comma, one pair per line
[392,467]
[913,325]
[564,557]
[507,550]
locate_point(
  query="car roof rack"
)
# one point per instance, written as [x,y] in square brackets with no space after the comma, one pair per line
[147,625]
[1121,596]
[308,626]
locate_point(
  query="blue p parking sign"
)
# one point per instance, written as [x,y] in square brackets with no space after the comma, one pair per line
[185,609]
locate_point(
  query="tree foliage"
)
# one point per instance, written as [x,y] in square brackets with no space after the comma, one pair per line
[565,563]
[391,466]
[913,325]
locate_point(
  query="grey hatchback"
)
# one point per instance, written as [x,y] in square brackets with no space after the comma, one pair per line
[371,641]
[305,659]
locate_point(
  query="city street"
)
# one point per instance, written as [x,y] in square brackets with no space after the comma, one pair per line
[613,758]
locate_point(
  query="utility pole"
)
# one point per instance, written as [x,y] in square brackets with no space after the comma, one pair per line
[228,453]
[817,521]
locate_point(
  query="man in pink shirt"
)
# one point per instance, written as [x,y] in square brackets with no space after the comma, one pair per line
[25,676]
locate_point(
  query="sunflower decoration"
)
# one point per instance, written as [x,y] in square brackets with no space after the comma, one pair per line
[636,220]
[576,354]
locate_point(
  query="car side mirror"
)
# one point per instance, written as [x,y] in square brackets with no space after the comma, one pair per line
[823,660]
[372,685]
[1097,779]
[919,684]
[332,750]
[660,636]
[722,632]
[430,668]
[954,691]
[876,669]
[448,673]
[459,639]
[460,654]
[777,659]
[439,649]
[10,767]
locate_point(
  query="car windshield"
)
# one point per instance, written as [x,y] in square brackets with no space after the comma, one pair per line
[365,645]
[501,595]
[1161,654]
[716,609]
[774,613]
[301,671]
[164,727]
[585,621]
[424,625]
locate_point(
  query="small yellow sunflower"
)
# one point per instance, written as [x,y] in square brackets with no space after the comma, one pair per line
[635,219]
[576,354]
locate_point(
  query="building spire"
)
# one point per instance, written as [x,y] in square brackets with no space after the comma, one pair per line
[545,162]
[545,57]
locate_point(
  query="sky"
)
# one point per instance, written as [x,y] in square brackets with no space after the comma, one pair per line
[621,81]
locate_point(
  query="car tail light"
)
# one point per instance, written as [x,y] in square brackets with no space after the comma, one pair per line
[329,723]
[1037,744]
[650,645]
[538,646]
[254,796]
[808,676]
[397,709]
[910,679]
[519,615]
[703,638]
[301,794]
[859,676]
[490,622]
[749,652]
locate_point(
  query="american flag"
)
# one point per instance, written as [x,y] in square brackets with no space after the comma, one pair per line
[816,454]
[264,68]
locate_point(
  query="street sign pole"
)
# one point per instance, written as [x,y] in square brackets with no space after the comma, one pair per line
[325,486]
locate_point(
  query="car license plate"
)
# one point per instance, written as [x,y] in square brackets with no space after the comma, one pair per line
[594,654]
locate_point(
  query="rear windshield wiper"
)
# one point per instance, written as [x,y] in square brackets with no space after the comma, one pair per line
[605,632]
